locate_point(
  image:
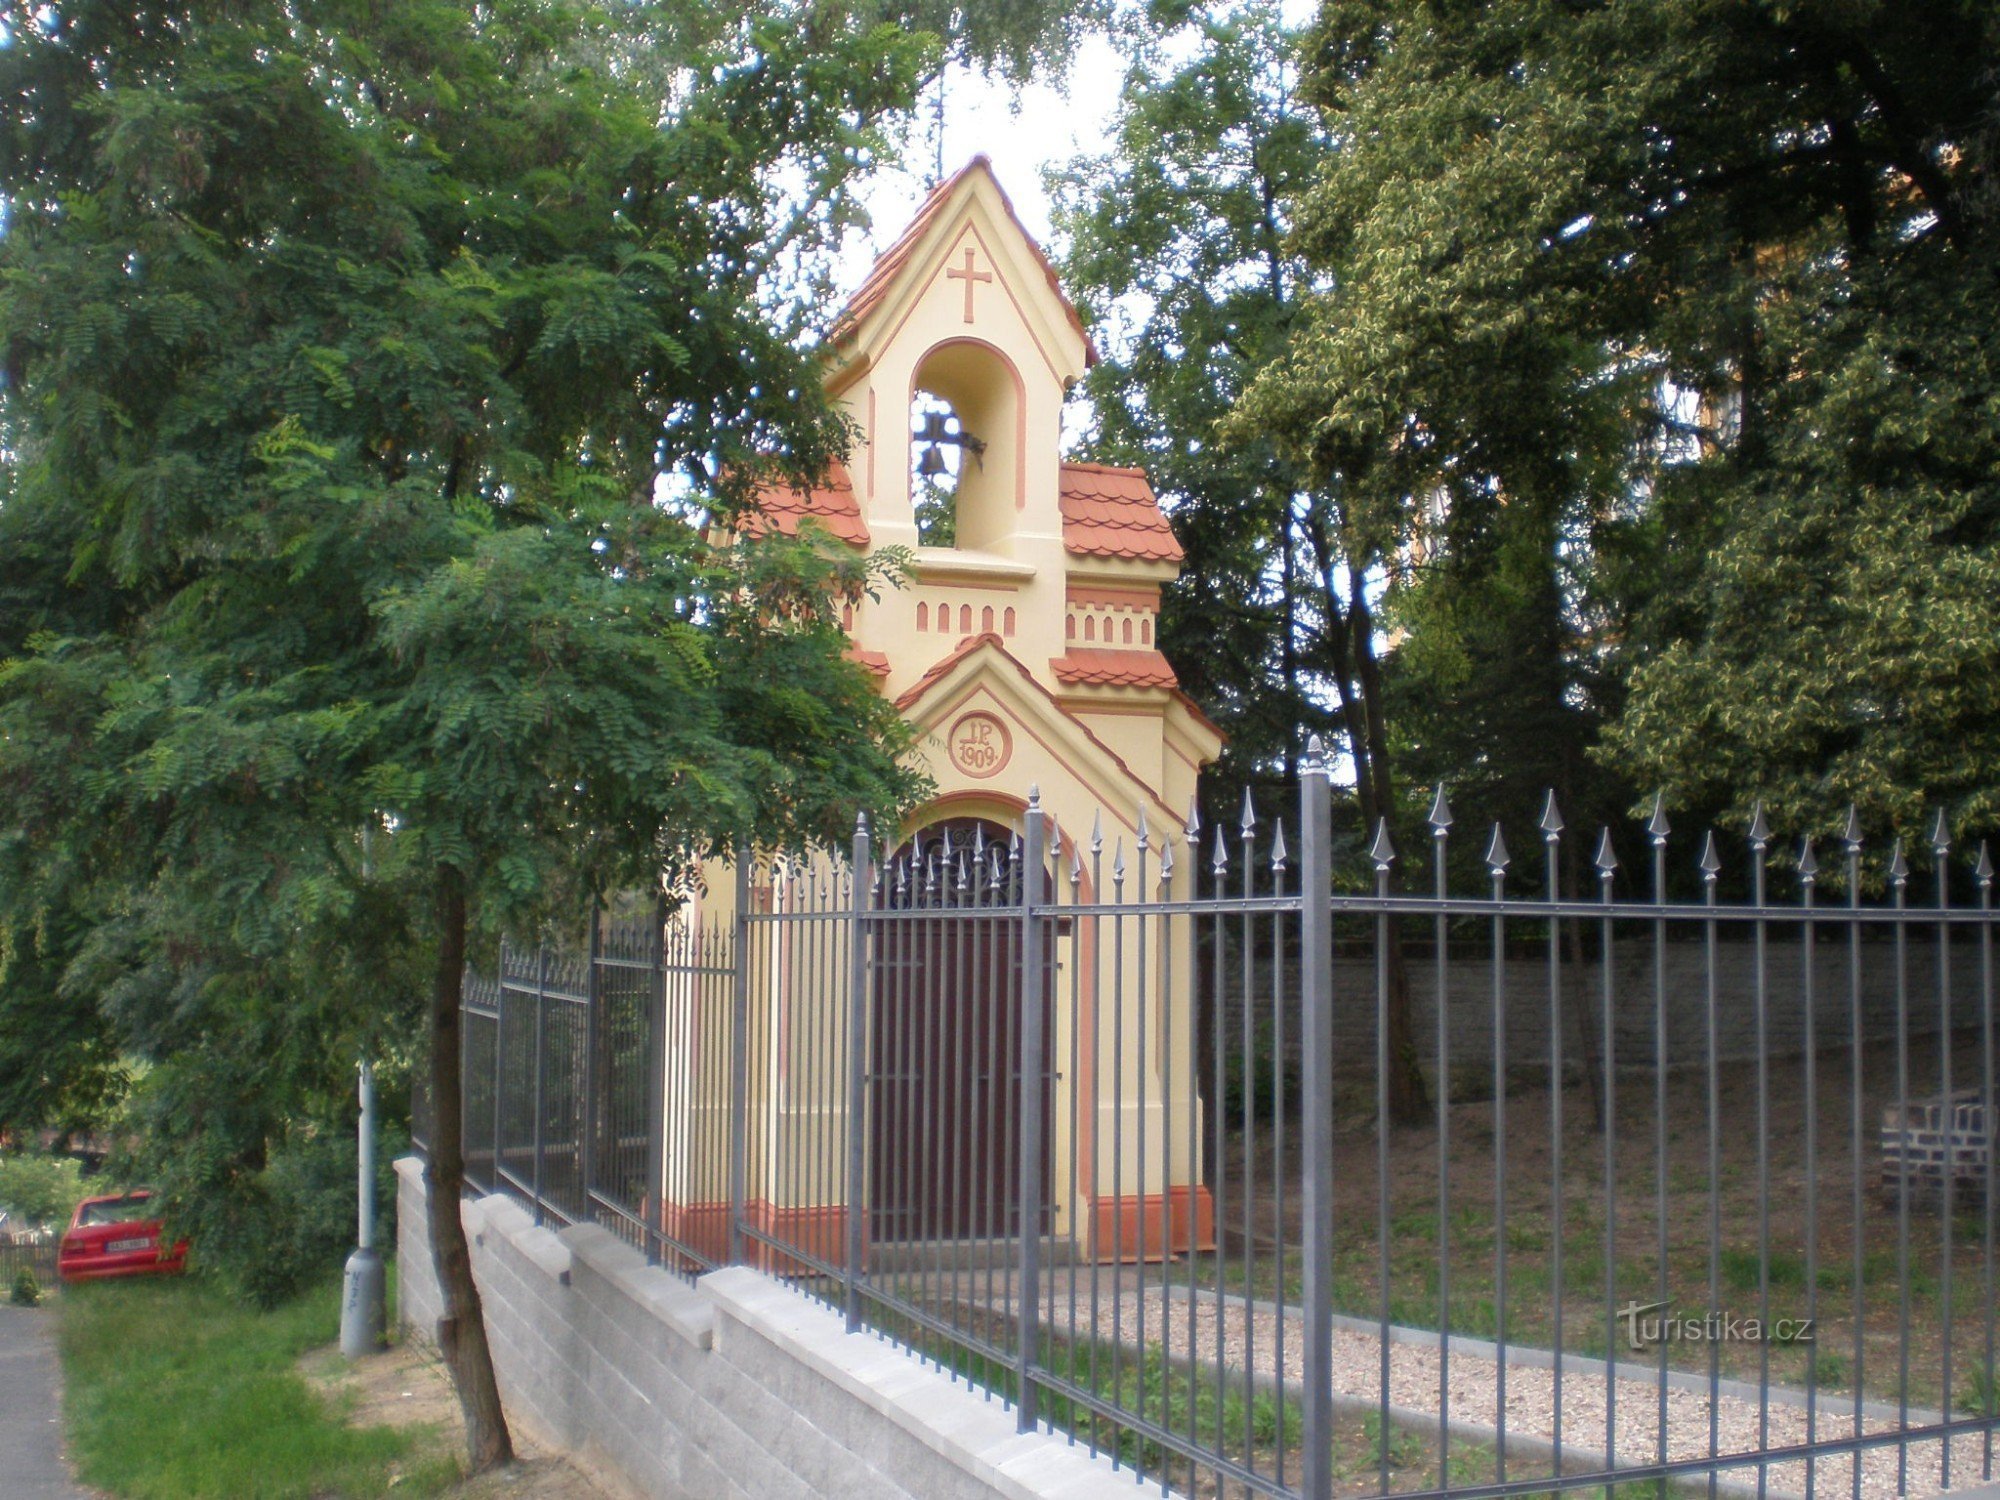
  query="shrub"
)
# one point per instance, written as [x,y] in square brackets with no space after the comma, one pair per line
[26,1291]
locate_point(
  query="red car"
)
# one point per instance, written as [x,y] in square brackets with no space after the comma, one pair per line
[118,1235]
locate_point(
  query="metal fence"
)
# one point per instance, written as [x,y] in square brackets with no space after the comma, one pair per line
[1074,1113]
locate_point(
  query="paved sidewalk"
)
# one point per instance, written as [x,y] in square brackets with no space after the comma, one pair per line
[31,1462]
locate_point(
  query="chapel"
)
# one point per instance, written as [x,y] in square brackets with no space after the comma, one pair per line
[1024,650]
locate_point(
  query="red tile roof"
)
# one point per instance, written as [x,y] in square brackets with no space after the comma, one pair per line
[875,661]
[1088,666]
[831,503]
[868,296]
[1112,512]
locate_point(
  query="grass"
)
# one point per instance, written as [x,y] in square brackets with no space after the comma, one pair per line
[174,1390]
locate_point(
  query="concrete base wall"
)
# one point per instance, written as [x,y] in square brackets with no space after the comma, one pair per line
[733,1387]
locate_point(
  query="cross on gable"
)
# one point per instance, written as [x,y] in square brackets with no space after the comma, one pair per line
[968,276]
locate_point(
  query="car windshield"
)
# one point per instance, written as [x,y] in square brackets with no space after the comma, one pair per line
[117,1210]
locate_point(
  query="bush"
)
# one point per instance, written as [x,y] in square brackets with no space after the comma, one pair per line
[26,1291]
[40,1189]
[299,1224]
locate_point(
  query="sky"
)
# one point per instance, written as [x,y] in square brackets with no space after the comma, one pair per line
[1044,124]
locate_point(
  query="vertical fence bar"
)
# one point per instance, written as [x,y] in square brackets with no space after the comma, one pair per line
[1607,871]
[857,1069]
[1851,838]
[739,1059]
[1941,848]
[1032,1024]
[1497,860]
[656,1086]
[593,1075]
[1760,843]
[1983,872]
[1808,879]
[1711,867]
[1552,829]
[1316,1016]
[537,1111]
[1440,822]
[1382,854]
[1899,882]
[1657,830]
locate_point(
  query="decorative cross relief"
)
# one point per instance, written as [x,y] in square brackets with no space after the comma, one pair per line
[968,276]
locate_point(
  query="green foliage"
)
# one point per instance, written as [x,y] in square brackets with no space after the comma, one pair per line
[1177,257]
[40,1189]
[380,384]
[174,1391]
[26,1291]
[270,1211]
[1664,334]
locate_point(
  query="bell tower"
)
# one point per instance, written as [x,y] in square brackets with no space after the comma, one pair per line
[1023,649]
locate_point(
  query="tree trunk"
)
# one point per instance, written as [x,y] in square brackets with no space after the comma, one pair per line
[461,1331]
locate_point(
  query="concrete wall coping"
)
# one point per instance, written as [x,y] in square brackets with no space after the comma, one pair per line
[973,1431]
[681,1309]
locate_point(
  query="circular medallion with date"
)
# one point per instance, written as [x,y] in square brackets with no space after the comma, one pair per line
[979,745]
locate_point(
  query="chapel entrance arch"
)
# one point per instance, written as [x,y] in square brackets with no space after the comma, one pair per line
[946,1032]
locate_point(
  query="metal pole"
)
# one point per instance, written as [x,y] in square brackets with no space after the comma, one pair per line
[1316,1011]
[361,1307]
[739,1060]
[857,1067]
[1032,1021]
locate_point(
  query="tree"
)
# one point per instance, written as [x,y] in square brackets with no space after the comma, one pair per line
[1179,247]
[349,352]
[1693,303]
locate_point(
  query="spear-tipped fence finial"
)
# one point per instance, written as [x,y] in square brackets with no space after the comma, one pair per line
[1851,834]
[1552,818]
[1941,834]
[1760,828]
[1711,858]
[1097,831]
[1899,867]
[1808,861]
[1278,851]
[1118,862]
[1606,858]
[1166,862]
[1657,826]
[1219,860]
[1984,869]
[1383,850]
[1440,813]
[1497,857]
[1143,840]
[1249,819]
[1192,828]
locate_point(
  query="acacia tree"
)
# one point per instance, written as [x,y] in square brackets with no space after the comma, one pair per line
[347,351]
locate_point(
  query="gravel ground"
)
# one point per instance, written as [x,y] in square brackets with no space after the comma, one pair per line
[1250,1334]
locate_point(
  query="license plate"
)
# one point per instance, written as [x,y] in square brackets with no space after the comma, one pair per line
[118,1247]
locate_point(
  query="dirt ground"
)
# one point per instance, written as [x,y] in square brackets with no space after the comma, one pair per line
[405,1386]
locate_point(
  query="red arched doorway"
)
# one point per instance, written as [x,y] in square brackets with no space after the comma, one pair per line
[946,1038]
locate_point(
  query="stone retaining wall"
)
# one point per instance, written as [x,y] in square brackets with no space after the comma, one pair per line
[732,1387]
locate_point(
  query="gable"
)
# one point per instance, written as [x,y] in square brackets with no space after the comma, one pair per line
[971,214]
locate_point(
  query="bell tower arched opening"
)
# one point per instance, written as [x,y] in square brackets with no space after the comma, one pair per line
[967,407]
